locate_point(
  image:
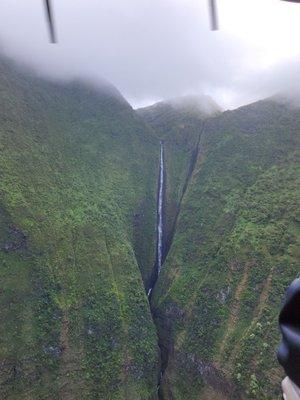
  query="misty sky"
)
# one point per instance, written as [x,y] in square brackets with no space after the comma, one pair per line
[157,49]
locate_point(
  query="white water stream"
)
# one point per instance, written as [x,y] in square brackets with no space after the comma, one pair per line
[160,209]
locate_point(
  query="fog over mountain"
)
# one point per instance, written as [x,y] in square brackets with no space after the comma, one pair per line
[158,49]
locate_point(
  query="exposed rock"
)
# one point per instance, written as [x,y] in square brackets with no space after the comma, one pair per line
[223,295]
[52,350]
[18,240]
[211,375]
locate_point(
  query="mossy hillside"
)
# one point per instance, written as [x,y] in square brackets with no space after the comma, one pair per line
[217,299]
[77,186]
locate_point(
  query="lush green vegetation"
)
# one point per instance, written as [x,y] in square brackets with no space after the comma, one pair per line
[77,220]
[78,183]
[234,253]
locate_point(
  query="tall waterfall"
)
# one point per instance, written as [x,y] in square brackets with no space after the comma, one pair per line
[160,228]
[160,209]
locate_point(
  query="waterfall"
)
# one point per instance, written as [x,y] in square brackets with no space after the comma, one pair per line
[160,209]
[160,228]
[160,241]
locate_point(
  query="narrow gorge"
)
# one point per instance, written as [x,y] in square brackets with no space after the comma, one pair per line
[162,245]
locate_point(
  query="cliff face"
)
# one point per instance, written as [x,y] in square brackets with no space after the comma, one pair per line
[78,198]
[77,220]
[179,123]
[234,252]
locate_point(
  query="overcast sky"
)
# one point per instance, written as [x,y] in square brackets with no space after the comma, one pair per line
[157,49]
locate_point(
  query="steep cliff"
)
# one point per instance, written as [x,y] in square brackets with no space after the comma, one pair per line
[77,220]
[179,123]
[233,254]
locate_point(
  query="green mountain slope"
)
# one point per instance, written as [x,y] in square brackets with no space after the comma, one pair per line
[234,252]
[77,220]
[78,186]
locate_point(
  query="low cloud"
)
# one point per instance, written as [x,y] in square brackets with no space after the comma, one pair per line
[157,49]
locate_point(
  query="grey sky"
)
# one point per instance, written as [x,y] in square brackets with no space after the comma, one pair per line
[156,49]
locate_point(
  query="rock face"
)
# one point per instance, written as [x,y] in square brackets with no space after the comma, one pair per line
[17,240]
[78,199]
